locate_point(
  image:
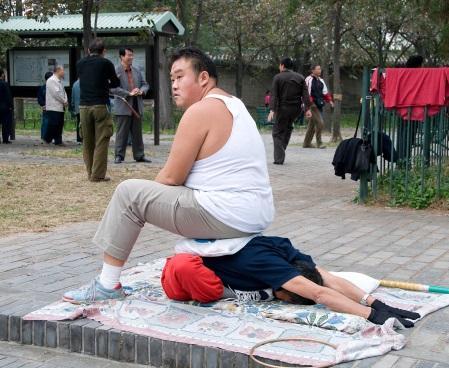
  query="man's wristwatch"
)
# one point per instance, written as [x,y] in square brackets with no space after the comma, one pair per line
[364,300]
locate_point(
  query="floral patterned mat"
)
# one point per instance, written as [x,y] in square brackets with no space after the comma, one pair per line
[237,327]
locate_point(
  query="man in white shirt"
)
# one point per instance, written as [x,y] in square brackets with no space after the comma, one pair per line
[55,103]
[215,182]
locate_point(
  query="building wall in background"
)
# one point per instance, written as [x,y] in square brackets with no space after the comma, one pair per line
[257,81]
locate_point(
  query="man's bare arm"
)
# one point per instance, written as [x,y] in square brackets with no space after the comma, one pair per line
[326,296]
[190,135]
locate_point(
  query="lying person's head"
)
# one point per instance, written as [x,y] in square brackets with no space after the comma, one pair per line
[192,74]
[308,271]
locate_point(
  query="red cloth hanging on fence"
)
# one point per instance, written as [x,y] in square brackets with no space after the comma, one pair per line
[401,88]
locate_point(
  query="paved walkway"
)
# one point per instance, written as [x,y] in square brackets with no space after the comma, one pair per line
[314,209]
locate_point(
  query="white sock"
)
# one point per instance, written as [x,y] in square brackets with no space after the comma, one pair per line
[110,276]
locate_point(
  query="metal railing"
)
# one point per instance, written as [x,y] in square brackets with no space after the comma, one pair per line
[412,156]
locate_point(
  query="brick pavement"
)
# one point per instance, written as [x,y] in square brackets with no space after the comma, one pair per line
[314,209]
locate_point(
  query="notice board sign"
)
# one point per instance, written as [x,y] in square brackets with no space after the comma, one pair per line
[28,67]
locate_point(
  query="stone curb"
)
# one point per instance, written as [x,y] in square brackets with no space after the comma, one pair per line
[88,337]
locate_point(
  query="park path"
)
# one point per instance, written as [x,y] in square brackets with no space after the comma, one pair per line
[314,209]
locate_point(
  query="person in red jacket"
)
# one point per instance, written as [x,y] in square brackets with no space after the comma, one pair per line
[319,95]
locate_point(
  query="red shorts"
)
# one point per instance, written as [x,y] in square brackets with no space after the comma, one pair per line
[185,277]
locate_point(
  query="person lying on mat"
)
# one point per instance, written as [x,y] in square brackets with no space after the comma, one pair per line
[271,265]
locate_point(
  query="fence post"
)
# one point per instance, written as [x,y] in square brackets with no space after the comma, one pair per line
[363,191]
[426,148]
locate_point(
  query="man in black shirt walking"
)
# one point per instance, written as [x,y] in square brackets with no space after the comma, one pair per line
[97,75]
[289,92]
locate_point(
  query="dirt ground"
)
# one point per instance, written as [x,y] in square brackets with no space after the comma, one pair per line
[36,197]
[43,186]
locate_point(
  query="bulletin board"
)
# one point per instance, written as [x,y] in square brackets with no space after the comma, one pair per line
[28,67]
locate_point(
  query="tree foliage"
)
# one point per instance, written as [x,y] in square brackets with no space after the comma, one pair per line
[248,32]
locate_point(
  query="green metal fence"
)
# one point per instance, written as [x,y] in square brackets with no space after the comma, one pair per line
[412,156]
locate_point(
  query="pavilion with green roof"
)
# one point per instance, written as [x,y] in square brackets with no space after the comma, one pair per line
[158,25]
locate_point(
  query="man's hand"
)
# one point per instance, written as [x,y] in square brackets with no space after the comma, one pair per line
[332,104]
[308,114]
[270,116]
[135,92]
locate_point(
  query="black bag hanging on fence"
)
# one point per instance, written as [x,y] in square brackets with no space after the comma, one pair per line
[353,156]
[364,157]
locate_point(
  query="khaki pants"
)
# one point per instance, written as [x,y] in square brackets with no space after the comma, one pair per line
[96,131]
[314,126]
[173,208]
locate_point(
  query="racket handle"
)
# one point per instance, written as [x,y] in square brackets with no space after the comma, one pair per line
[404,285]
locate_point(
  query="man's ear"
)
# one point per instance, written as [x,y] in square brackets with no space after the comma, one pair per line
[203,78]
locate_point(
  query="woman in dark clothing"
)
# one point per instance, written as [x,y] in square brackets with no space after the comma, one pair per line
[6,108]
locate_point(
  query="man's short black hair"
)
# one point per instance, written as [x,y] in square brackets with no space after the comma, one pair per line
[287,62]
[200,61]
[122,50]
[309,271]
[48,75]
[96,46]
[414,61]
[312,68]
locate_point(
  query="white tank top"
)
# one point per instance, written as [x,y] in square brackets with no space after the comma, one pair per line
[233,184]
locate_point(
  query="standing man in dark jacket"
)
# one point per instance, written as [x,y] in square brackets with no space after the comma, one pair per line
[97,75]
[41,101]
[288,93]
[132,87]
[6,108]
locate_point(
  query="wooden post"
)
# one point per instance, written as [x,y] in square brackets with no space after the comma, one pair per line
[157,99]
[19,115]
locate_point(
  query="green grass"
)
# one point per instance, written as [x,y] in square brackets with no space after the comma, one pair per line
[405,189]
[32,122]
[348,120]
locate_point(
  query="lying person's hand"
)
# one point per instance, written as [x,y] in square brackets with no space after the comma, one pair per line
[378,305]
[380,316]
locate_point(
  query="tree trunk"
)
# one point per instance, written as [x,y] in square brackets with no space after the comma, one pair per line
[19,115]
[336,132]
[19,8]
[325,61]
[239,70]
[97,9]
[87,24]
[165,99]
[198,21]
[181,10]
[239,78]
[307,54]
